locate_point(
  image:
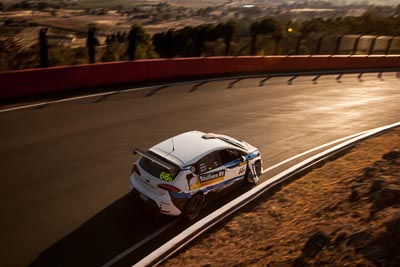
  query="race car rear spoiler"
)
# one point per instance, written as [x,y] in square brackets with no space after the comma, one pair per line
[154,159]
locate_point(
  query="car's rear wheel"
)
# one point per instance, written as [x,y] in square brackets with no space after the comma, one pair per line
[193,207]
[249,176]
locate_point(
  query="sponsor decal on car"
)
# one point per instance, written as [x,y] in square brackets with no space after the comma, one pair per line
[194,183]
[212,177]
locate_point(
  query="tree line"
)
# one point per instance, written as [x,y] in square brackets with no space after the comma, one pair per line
[268,36]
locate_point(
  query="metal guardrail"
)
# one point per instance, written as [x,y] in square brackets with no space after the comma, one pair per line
[298,170]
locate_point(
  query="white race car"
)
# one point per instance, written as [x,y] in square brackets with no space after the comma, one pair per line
[176,175]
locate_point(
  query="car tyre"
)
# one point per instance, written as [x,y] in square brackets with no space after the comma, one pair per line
[249,177]
[258,167]
[193,207]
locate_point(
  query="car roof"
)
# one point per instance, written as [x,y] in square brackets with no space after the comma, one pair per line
[187,148]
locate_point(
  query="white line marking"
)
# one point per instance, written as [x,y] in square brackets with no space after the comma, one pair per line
[72,99]
[311,150]
[139,244]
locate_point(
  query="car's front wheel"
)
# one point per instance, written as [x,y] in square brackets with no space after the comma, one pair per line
[193,207]
[258,167]
[249,175]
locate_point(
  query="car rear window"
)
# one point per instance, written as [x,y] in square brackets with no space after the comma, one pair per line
[158,170]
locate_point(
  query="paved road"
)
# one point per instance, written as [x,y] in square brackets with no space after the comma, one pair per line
[66,165]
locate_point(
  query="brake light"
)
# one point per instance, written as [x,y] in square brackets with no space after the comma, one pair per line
[135,169]
[169,187]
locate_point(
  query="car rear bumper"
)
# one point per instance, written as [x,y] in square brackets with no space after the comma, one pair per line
[151,205]
[162,203]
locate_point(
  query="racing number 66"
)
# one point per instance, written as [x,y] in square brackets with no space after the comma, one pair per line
[165,177]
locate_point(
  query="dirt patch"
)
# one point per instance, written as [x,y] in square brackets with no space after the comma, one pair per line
[346,213]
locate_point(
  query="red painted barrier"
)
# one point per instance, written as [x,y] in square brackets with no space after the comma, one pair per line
[40,81]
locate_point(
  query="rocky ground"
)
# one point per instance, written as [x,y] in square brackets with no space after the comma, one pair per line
[346,213]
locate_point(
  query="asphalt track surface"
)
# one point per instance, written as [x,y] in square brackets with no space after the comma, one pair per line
[64,167]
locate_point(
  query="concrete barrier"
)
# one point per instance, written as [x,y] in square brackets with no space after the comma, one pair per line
[36,82]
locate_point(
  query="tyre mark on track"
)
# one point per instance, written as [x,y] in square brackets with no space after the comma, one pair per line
[154,91]
[196,86]
[104,97]
[262,82]
[232,84]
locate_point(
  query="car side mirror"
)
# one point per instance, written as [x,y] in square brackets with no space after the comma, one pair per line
[189,176]
[242,159]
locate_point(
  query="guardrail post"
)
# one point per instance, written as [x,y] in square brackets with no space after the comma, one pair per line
[319,44]
[389,44]
[44,60]
[371,48]
[91,43]
[338,42]
[356,45]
